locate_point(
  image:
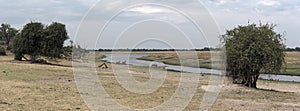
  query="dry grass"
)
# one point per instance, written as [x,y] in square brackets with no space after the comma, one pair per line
[37,87]
[232,97]
[43,87]
[293,57]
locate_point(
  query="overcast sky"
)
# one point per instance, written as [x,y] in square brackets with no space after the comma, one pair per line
[153,23]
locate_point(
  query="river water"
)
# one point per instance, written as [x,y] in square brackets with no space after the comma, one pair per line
[131,59]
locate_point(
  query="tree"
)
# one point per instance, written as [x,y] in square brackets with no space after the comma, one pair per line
[30,41]
[7,33]
[35,40]
[297,49]
[2,51]
[251,50]
[17,48]
[55,36]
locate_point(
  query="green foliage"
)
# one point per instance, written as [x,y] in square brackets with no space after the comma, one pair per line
[9,47]
[56,34]
[31,38]
[7,33]
[253,49]
[35,40]
[2,51]
[17,47]
[67,51]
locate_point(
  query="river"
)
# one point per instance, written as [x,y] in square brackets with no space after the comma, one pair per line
[131,59]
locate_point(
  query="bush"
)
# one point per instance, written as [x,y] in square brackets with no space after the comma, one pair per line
[2,51]
[9,47]
[251,50]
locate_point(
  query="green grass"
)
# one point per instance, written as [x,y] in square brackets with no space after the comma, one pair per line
[292,59]
[175,61]
[292,69]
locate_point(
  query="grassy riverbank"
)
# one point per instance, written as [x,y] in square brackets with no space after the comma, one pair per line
[292,66]
[26,86]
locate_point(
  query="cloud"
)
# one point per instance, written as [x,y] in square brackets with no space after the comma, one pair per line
[268,3]
[87,2]
[150,10]
[228,13]
[221,2]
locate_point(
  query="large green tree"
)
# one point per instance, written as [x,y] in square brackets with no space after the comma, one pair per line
[7,33]
[30,41]
[55,36]
[36,40]
[251,50]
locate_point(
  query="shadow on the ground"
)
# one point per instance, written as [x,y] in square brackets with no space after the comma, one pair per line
[272,90]
[44,63]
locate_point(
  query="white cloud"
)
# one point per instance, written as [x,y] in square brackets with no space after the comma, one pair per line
[150,10]
[268,3]
[221,2]
[227,12]
[88,2]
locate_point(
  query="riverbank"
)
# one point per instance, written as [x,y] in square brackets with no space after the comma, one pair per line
[205,60]
[26,86]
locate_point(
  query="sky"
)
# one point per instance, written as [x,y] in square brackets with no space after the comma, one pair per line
[97,24]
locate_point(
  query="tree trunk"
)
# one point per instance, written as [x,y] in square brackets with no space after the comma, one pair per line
[250,81]
[18,57]
[255,80]
[32,58]
[7,43]
[25,58]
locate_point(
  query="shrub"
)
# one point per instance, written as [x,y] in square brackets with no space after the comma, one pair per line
[251,50]
[2,51]
[9,47]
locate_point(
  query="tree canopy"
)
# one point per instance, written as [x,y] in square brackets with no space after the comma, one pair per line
[2,51]
[31,39]
[55,36]
[251,50]
[37,40]
[7,33]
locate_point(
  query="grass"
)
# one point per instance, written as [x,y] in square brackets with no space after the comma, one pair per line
[293,63]
[186,59]
[205,60]
[37,87]
[230,96]
[27,86]
[139,101]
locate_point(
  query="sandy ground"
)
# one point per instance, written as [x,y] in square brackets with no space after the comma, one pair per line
[280,87]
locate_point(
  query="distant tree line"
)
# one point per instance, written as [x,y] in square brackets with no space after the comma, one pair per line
[154,50]
[293,49]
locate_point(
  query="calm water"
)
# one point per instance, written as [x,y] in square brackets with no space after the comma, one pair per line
[131,59]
